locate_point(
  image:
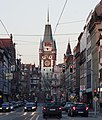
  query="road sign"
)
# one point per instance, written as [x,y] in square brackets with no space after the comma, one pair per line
[9,76]
[95,99]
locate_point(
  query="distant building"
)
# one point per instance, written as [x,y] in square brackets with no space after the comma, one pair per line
[35,83]
[47,57]
[76,67]
[68,75]
[30,82]
[26,70]
[56,83]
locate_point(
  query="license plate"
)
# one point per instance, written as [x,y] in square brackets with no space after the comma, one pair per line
[52,109]
[80,112]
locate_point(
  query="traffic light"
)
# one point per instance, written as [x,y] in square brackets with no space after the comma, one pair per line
[71,69]
[95,93]
[63,68]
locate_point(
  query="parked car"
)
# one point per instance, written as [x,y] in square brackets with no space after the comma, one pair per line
[78,109]
[6,106]
[67,106]
[11,107]
[30,106]
[53,109]
[0,108]
[14,104]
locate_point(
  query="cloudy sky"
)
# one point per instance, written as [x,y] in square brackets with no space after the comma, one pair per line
[26,20]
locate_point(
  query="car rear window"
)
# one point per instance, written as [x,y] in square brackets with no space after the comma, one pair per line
[51,104]
[69,104]
[30,104]
[80,105]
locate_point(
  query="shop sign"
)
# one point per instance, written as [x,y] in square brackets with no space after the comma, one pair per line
[82,88]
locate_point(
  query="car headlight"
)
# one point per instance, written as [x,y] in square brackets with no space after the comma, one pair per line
[11,107]
[33,107]
[25,107]
[0,108]
[7,108]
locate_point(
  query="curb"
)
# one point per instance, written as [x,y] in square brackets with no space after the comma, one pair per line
[98,113]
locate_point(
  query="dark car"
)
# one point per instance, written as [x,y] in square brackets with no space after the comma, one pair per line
[63,103]
[11,106]
[78,109]
[53,109]
[6,106]
[14,103]
[67,106]
[30,106]
[0,108]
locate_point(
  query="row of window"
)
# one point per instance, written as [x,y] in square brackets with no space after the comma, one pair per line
[34,81]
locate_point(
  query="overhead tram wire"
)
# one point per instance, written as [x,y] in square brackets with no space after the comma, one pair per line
[26,43]
[72,22]
[6,34]
[22,35]
[60,16]
[5,28]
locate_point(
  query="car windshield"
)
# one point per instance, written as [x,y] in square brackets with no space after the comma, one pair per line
[5,104]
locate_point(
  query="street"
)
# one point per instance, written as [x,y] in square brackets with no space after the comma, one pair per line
[19,114]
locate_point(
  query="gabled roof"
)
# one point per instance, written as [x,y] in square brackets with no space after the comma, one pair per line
[98,8]
[5,42]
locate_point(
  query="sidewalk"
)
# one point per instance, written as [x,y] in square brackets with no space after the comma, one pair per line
[91,111]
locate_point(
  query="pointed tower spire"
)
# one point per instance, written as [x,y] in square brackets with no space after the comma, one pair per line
[48,30]
[48,16]
[68,51]
[34,64]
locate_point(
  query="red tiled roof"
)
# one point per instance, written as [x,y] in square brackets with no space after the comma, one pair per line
[5,42]
[98,8]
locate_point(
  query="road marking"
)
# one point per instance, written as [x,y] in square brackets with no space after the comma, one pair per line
[7,113]
[25,113]
[4,114]
[37,117]
[33,113]
[1,113]
[33,117]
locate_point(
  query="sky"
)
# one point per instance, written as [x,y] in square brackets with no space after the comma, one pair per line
[26,19]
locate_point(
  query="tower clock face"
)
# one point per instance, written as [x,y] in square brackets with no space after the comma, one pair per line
[47,57]
[47,63]
[50,56]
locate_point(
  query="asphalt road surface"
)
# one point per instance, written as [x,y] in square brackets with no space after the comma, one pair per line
[19,114]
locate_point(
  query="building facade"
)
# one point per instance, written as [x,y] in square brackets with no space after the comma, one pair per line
[7,59]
